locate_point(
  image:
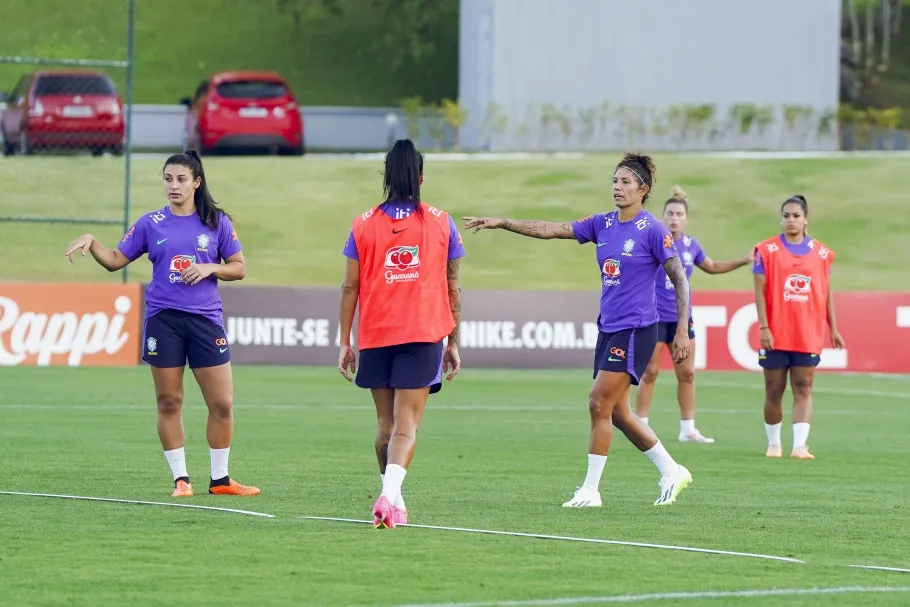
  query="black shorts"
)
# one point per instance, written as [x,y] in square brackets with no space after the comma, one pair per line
[784,359]
[401,367]
[666,331]
[172,338]
[627,351]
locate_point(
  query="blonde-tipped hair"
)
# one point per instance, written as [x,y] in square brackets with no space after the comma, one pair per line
[678,193]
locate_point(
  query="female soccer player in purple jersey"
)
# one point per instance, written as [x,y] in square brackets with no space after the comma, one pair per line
[186,242]
[676,214]
[632,244]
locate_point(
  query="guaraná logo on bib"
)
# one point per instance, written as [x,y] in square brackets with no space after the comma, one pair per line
[402,259]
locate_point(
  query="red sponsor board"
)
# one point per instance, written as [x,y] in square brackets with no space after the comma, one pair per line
[875,327]
[553,330]
[74,324]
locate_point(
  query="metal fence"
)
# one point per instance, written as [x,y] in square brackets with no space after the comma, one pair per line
[68,105]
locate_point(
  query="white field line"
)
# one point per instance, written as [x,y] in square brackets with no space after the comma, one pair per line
[120,501]
[568,539]
[877,568]
[674,596]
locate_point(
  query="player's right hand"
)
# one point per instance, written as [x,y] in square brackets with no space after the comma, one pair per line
[347,360]
[481,223]
[84,242]
[766,339]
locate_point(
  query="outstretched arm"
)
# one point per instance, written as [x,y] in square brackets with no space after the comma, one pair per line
[710,266]
[545,230]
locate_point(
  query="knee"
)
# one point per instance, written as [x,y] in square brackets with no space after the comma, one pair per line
[598,405]
[802,386]
[222,408]
[685,376]
[650,374]
[384,424]
[170,403]
[774,392]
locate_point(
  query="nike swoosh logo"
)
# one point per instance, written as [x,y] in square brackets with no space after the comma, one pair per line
[160,241]
[222,350]
[398,231]
[600,244]
[614,360]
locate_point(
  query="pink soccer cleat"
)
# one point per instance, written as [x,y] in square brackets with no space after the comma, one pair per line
[383,514]
[399,516]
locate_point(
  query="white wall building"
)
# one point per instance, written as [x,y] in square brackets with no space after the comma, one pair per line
[614,74]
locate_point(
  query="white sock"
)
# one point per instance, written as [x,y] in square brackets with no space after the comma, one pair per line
[687,426]
[219,463]
[596,465]
[391,484]
[399,503]
[800,434]
[644,419]
[176,459]
[773,432]
[660,458]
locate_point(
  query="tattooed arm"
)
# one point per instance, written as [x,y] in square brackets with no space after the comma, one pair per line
[674,269]
[451,359]
[681,348]
[545,230]
[454,297]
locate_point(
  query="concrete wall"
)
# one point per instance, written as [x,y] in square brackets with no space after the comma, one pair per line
[604,74]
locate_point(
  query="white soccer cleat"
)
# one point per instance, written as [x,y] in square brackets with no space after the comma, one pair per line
[671,486]
[694,437]
[584,498]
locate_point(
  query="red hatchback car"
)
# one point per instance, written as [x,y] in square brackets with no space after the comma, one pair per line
[63,110]
[243,111]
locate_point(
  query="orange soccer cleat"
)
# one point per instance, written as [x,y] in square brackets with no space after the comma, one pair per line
[182,489]
[233,488]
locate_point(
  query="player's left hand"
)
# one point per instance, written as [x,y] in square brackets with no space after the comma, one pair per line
[347,360]
[196,272]
[682,347]
[837,341]
[451,361]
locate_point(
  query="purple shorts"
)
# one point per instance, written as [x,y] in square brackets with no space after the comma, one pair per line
[171,338]
[784,359]
[401,367]
[626,351]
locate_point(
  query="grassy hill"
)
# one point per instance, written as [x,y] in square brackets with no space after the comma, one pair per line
[329,61]
[293,215]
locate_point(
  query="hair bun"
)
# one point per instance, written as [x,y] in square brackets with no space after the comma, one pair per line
[193,154]
[679,193]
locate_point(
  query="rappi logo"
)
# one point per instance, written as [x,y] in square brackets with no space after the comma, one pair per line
[611,272]
[402,258]
[796,288]
[179,263]
[75,325]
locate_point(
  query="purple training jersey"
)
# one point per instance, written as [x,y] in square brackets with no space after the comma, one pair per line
[629,253]
[691,254]
[173,243]
[401,210]
[802,248]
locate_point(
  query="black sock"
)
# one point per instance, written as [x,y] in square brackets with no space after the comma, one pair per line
[220,482]
[185,479]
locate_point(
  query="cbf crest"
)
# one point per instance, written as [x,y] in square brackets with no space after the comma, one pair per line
[152,344]
[202,243]
[627,247]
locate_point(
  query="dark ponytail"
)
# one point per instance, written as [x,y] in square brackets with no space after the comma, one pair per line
[401,178]
[206,207]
